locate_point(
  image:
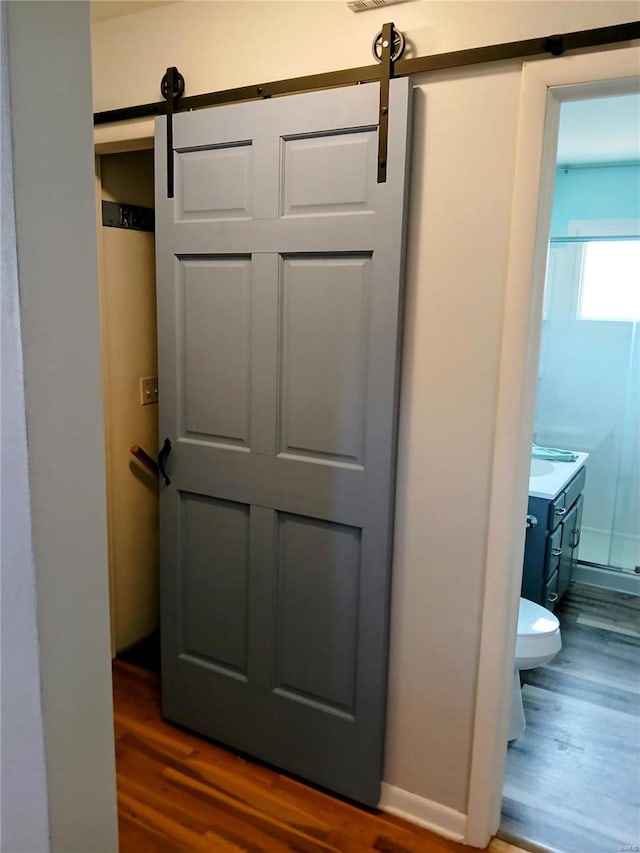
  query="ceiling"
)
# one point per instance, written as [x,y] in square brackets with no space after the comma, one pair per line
[104,10]
[600,130]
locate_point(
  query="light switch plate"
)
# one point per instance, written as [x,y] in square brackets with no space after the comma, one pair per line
[148,390]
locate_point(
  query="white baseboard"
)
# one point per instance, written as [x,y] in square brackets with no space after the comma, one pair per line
[438,818]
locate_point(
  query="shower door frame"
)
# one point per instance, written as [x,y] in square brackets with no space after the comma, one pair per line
[545,85]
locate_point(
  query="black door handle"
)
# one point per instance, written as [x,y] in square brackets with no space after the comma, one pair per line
[162,458]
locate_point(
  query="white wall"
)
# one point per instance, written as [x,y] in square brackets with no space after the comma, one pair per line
[129,352]
[23,780]
[463,165]
[50,84]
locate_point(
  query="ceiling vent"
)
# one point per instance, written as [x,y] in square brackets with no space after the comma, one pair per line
[363,5]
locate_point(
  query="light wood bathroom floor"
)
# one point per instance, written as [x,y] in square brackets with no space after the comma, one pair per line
[572,782]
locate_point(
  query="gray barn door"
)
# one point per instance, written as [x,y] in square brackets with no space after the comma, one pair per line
[279,268]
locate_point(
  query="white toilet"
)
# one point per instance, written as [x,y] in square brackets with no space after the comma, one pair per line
[538,641]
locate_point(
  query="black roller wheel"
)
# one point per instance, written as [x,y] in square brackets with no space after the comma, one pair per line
[178,86]
[398,46]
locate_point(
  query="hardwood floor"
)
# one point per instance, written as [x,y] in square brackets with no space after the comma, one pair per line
[572,782]
[177,792]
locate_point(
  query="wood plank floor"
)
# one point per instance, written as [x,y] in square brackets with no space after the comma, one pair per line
[572,781]
[178,792]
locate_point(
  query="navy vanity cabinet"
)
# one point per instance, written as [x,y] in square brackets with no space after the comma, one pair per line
[551,545]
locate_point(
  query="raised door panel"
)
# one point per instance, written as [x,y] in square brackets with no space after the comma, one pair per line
[213,584]
[324,338]
[214,348]
[214,183]
[334,174]
[317,569]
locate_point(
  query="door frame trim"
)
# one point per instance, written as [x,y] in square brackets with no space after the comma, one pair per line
[537,125]
[105,402]
[545,84]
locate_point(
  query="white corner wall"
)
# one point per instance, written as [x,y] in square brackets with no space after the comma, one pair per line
[23,777]
[129,351]
[50,85]
[460,215]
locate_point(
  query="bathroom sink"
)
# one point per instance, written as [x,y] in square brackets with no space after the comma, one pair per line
[547,478]
[540,467]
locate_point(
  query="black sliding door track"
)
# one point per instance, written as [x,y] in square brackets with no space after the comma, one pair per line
[550,45]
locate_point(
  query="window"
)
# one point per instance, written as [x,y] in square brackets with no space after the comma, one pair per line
[610,282]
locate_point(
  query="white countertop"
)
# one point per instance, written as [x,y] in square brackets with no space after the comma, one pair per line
[548,479]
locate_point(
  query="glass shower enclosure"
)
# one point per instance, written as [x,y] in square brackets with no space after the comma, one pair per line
[588,395]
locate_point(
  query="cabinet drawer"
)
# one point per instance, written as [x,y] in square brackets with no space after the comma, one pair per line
[550,592]
[553,552]
[574,489]
[557,510]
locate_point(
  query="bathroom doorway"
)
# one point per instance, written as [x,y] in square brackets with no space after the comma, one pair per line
[569,781]
[545,86]
[589,368]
